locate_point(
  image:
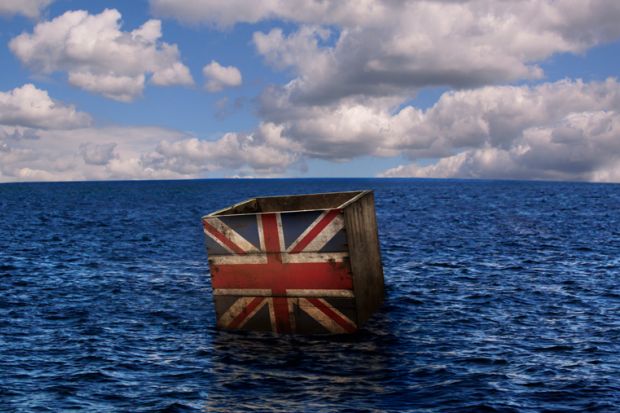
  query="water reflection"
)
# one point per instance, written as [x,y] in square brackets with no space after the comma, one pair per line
[265,372]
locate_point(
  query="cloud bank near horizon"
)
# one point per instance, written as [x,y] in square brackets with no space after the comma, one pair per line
[566,130]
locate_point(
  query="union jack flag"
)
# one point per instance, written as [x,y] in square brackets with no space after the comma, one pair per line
[284,272]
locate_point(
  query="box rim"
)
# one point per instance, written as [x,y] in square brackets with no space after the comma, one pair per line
[360,194]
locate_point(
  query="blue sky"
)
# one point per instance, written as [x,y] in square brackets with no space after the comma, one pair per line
[472,89]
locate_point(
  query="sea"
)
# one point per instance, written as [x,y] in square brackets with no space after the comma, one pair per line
[501,296]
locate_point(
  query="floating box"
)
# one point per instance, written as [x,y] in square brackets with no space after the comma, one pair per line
[307,264]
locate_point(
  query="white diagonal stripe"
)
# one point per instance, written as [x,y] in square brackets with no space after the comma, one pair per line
[220,243]
[307,230]
[253,313]
[236,309]
[326,234]
[272,314]
[231,234]
[280,232]
[261,235]
[320,316]
[335,310]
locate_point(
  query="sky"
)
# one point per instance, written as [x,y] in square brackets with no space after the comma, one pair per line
[178,89]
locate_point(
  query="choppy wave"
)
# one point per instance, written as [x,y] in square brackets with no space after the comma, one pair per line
[501,296]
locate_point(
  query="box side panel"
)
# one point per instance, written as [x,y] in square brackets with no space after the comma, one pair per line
[286,272]
[365,256]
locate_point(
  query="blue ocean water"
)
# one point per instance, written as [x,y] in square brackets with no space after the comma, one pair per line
[501,296]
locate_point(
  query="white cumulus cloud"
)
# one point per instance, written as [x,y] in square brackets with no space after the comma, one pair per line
[219,77]
[559,130]
[99,57]
[265,151]
[387,48]
[224,14]
[353,70]
[94,154]
[28,8]
[28,106]
[122,152]
[42,139]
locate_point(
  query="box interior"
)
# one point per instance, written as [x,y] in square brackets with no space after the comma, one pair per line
[291,203]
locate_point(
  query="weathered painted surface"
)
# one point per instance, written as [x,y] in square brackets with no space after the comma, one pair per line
[290,271]
[365,256]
